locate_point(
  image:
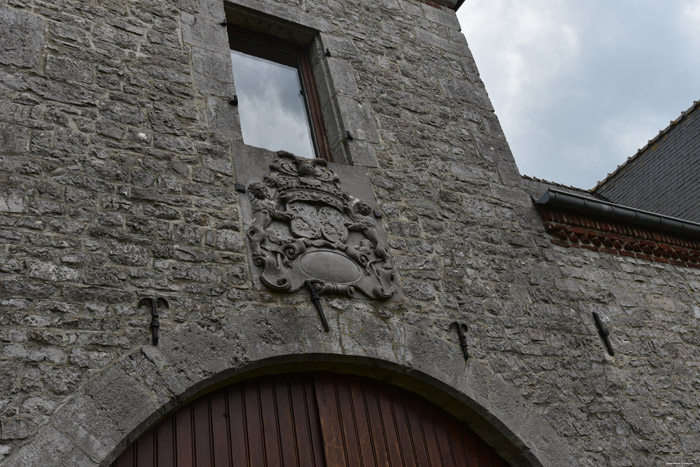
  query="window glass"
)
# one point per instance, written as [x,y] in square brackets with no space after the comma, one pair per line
[271,105]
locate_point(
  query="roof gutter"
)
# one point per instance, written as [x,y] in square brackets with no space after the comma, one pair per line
[603,209]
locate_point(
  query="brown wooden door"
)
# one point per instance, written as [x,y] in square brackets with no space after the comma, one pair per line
[309,420]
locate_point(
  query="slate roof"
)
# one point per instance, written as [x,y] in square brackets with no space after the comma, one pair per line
[536,187]
[664,176]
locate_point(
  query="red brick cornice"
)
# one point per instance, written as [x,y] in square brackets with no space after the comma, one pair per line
[582,231]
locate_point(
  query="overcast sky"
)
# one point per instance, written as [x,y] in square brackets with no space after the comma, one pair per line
[580,85]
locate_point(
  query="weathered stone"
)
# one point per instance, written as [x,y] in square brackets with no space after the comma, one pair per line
[128,254]
[11,199]
[13,139]
[223,240]
[59,92]
[213,74]
[122,112]
[67,69]
[52,272]
[21,37]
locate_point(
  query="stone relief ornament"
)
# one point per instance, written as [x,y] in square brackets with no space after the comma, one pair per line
[306,229]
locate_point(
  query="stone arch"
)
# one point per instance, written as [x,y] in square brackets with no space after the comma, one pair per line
[124,400]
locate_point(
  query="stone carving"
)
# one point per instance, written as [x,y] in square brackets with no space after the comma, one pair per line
[306,228]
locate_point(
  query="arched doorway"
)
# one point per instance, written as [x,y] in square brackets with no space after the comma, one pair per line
[309,419]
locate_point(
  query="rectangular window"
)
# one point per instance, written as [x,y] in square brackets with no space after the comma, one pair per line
[277,99]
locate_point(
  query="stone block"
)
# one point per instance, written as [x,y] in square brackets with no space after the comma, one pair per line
[116,36]
[16,428]
[466,93]
[174,144]
[65,93]
[50,447]
[194,356]
[213,73]
[548,448]
[13,139]
[68,69]
[342,77]
[120,398]
[122,112]
[271,331]
[88,426]
[73,142]
[212,10]
[361,332]
[290,13]
[225,240]
[357,119]
[11,199]
[429,39]
[361,153]
[223,118]
[51,272]
[21,37]
[205,32]
[129,254]
[443,17]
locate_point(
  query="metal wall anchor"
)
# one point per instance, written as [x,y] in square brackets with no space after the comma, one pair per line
[603,332]
[155,302]
[462,330]
[316,298]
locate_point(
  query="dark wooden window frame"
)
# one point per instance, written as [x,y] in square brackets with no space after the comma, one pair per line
[290,54]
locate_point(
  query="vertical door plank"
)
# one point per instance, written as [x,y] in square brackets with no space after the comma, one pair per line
[442,438]
[387,420]
[482,453]
[183,436]
[430,433]
[254,426]
[402,431]
[165,443]
[202,432]
[416,430]
[302,429]
[333,443]
[470,443]
[314,420]
[145,450]
[268,406]
[237,425]
[348,424]
[287,431]
[362,420]
[374,419]
[454,439]
[127,458]
[219,429]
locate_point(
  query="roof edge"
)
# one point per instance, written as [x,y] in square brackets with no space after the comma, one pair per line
[557,184]
[662,133]
[616,212]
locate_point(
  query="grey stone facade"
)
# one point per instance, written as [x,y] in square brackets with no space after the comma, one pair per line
[118,153]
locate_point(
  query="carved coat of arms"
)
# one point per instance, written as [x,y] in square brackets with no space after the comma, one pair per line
[306,228]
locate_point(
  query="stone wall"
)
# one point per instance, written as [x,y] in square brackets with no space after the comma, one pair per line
[117,150]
